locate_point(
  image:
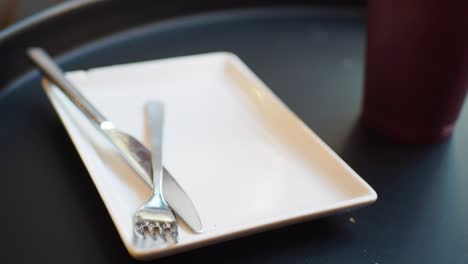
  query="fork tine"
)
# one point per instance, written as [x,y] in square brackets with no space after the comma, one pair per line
[175,233]
[139,229]
[164,235]
[151,229]
[166,226]
[167,231]
[159,230]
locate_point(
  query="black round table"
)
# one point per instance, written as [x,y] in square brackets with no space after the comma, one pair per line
[310,55]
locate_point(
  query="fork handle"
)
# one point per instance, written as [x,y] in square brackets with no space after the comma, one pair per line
[155,117]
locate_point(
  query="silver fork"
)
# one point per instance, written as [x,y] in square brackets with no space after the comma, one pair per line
[155,217]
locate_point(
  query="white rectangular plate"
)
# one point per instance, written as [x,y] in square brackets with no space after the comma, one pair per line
[248,162]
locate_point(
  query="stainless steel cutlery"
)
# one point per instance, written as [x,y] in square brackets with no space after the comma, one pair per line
[129,148]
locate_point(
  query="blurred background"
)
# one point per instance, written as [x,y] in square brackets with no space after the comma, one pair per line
[14,10]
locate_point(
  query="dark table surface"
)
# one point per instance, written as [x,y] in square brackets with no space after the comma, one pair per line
[312,58]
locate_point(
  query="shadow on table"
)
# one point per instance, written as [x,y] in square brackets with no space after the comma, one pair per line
[388,165]
[415,185]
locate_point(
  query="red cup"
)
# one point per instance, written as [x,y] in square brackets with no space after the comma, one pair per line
[416,68]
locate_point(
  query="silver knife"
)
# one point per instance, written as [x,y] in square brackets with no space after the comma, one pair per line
[131,150]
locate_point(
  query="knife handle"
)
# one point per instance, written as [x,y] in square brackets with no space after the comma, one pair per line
[50,69]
